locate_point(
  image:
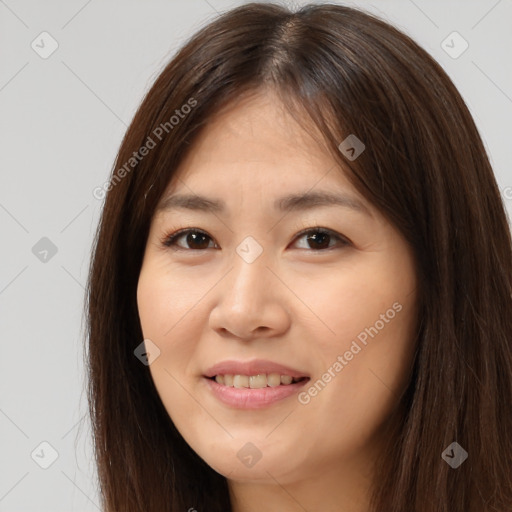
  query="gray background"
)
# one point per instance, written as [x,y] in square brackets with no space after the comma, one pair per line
[61,122]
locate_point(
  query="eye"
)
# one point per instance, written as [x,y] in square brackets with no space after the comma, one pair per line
[197,239]
[318,239]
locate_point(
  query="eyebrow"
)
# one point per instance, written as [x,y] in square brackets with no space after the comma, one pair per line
[291,202]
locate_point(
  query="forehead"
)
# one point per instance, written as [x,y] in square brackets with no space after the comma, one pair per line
[257,128]
[254,146]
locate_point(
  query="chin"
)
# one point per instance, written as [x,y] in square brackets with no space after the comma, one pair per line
[245,461]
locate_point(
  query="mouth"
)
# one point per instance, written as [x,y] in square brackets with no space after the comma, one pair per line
[253,384]
[258,381]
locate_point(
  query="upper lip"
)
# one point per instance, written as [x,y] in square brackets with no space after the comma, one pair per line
[253,367]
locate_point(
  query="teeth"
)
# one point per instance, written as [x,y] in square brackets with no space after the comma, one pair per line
[273,379]
[240,381]
[259,381]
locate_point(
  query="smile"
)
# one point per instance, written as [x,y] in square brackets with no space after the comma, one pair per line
[253,384]
[238,395]
[259,381]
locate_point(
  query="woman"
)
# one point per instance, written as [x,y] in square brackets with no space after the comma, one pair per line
[300,296]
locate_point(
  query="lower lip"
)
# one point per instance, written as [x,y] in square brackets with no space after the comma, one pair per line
[248,398]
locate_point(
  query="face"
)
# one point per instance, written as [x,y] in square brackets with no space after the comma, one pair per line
[263,290]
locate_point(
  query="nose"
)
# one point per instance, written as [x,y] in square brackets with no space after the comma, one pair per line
[250,302]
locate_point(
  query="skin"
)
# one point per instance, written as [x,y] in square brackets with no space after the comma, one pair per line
[295,304]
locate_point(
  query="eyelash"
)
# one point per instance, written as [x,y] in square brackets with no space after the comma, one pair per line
[169,240]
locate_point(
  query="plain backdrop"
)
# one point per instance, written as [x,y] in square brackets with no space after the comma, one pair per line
[62,117]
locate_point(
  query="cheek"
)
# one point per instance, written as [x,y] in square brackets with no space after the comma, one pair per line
[165,299]
[170,321]
[151,300]
[166,311]
[366,363]
[356,299]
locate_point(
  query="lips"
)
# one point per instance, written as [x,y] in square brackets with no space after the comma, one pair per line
[253,368]
[253,384]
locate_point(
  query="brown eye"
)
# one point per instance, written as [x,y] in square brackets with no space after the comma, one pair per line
[196,239]
[319,239]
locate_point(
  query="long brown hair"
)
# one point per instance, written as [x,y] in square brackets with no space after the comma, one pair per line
[426,170]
